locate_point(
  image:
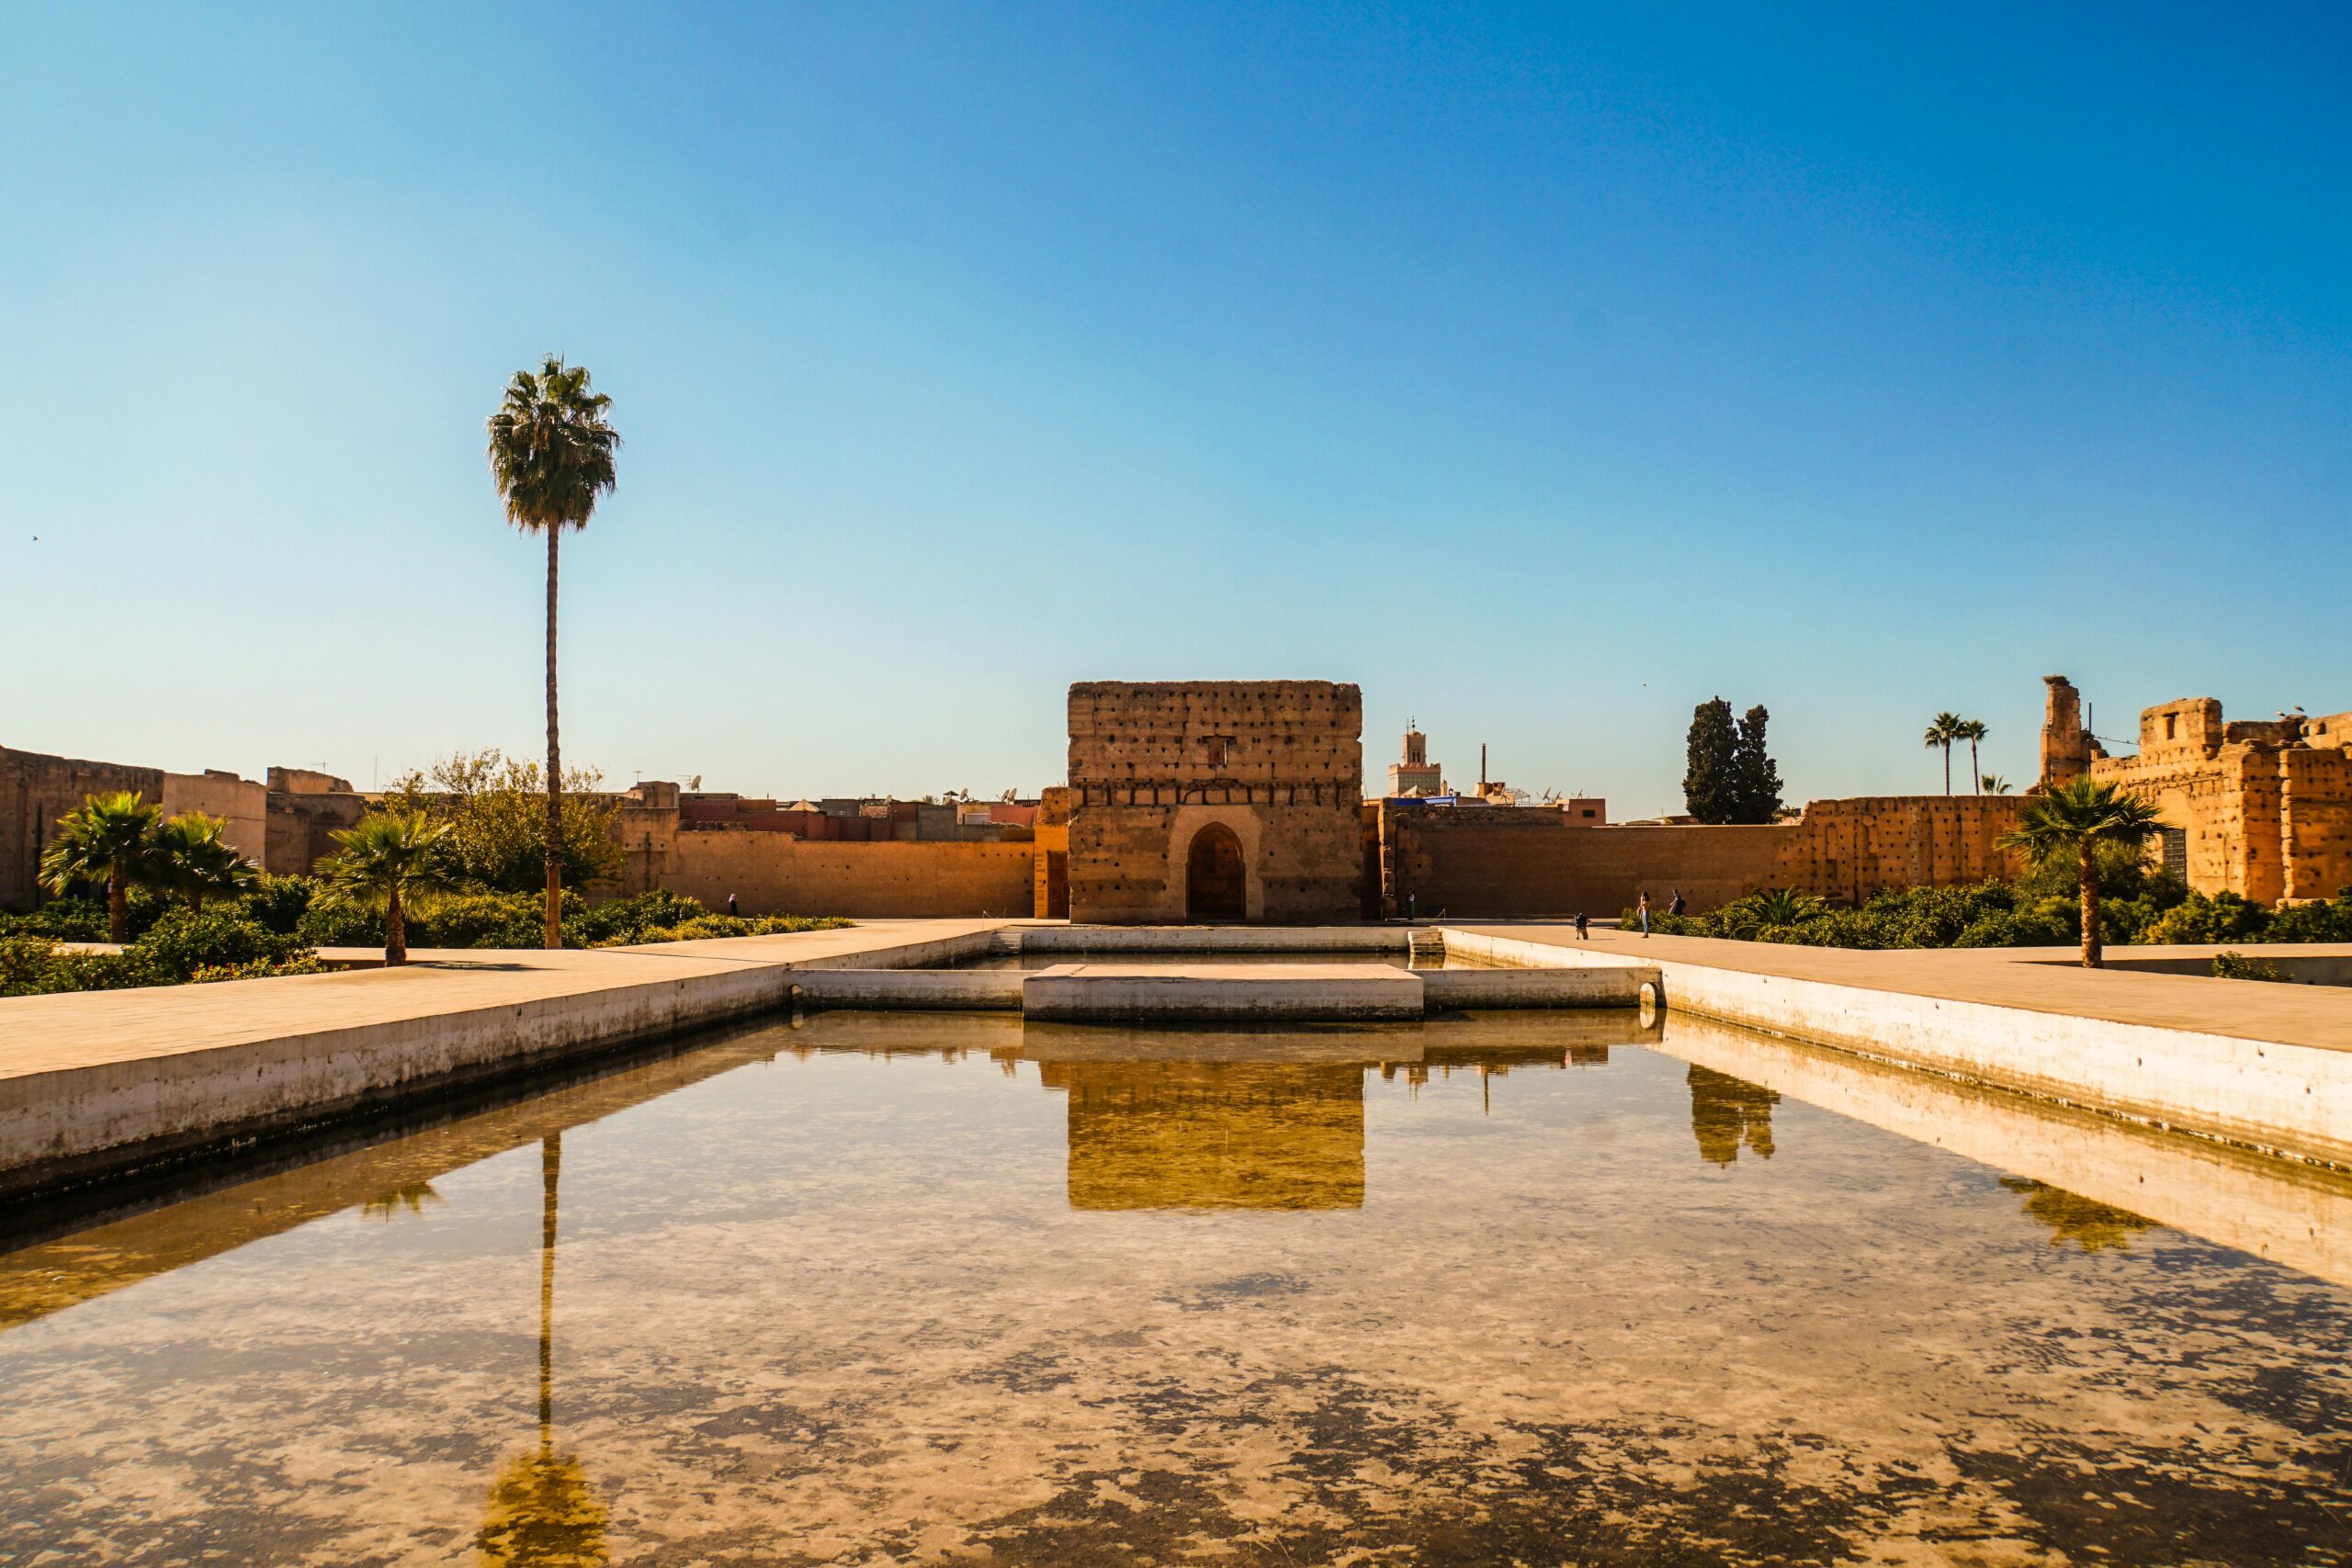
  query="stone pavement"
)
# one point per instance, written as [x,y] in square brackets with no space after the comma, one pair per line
[2037,980]
[86,1028]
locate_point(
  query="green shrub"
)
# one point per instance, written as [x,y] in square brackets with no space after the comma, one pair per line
[2238,967]
[34,966]
[64,920]
[183,943]
[259,969]
[478,920]
[280,902]
[482,918]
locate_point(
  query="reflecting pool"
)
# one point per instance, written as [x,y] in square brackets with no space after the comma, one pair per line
[877,1288]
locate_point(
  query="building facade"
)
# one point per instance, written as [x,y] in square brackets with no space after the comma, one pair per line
[1215,800]
[1415,774]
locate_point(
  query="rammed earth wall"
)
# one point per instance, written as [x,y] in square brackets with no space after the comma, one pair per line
[1153,765]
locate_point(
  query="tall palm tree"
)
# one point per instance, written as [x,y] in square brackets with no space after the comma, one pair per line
[551,455]
[194,860]
[1943,730]
[1972,730]
[108,839]
[389,858]
[2073,819]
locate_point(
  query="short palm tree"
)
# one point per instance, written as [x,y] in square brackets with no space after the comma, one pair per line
[389,858]
[1943,730]
[1972,730]
[108,839]
[1995,784]
[551,454]
[2071,821]
[194,860]
[1761,916]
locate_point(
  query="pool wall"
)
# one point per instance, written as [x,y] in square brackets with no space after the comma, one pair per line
[2285,1099]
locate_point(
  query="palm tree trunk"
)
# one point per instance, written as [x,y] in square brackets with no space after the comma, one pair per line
[1976,771]
[2090,907]
[555,768]
[1947,767]
[550,1173]
[117,906]
[395,931]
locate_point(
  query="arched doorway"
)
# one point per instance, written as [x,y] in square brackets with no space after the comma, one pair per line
[1215,886]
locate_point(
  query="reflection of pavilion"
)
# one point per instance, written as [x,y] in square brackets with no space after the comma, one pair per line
[1726,1111]
[1213,1135]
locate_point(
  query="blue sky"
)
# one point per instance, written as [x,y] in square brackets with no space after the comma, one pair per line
[1546,370]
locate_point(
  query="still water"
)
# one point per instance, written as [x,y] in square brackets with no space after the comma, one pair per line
[894,1288]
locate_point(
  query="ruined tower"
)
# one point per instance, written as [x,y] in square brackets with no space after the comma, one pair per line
[2066,747]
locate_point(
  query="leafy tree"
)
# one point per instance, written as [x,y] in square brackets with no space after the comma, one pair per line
[1971,730]
[493,804]
[1711,781]
[551,455]
[388,858]
[108,839]
[1756,780]
[194,860]
[2074,821]
[1944,730]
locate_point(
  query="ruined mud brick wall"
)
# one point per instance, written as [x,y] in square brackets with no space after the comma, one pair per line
[777,873]
[1496,863]
[36,789]
[2264,805]
[1846,850]
[306,810]
[1473,862]
[2315,816]
[771,873]
[1050,855]
[1278,763]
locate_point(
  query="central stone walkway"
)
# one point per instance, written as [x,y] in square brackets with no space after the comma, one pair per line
[1240,992]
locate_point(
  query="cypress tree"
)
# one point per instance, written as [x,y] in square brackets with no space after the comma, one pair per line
[1710,786]
[1756,781]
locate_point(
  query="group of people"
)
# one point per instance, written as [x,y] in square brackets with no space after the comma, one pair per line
[1642,908]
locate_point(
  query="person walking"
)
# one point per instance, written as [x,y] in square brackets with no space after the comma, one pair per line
[1677,906]
[730,904]
[1584,927]
[1644,910]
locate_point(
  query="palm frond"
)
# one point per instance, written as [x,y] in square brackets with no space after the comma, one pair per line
[551,447]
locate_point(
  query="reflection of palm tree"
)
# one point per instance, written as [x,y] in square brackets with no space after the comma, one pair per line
[2072,1217]
[541,1510]
[410,1195]
[1726,1111]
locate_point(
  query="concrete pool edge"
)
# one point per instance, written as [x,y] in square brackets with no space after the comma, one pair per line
[126,1081]
[2282,1099]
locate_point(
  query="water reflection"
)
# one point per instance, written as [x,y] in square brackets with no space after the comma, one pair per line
[1727,1112]
[410,1197]
[542,1512]
[1213,1135]
[848,1305]
[2087,1222]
